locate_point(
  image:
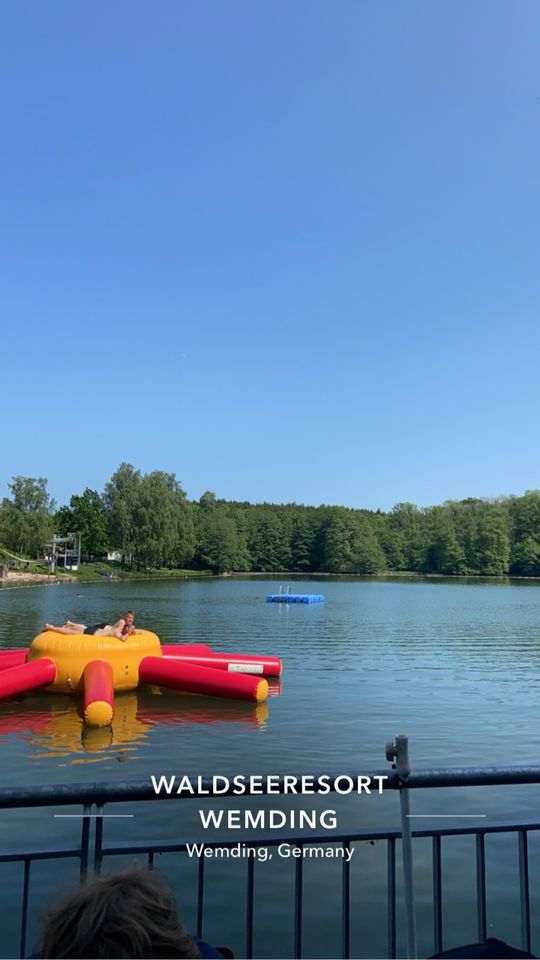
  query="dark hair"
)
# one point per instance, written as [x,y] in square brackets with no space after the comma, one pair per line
[130,914]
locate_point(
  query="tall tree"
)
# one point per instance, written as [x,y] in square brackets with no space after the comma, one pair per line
[525,558]
[269,539]
[219,546]
[26,522]
[162,524]
[120,498]
[524,514]
[350,544]
[410,524]
[445,554]
[493,544]
[303,540]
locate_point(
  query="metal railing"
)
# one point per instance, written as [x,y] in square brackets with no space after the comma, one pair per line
[92,849]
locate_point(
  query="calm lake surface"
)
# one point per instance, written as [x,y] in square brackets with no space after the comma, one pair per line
[454,665]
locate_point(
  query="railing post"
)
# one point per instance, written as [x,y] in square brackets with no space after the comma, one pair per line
[398,754]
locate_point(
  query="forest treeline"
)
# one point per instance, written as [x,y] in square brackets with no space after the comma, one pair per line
[150,521]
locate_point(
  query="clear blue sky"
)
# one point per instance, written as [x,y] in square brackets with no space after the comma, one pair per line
[288,251]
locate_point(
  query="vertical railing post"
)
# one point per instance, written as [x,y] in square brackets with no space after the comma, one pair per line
[85,841]
[398,754]
[391,898]
[524,893]
[98,844]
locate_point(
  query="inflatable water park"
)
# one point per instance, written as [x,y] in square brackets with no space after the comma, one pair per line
[95,667]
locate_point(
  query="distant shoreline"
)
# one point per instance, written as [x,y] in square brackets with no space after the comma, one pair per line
[20,579]
[18,576]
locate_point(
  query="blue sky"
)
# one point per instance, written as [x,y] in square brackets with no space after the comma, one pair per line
[289,252]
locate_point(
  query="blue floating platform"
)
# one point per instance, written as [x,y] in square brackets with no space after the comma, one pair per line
[295,598]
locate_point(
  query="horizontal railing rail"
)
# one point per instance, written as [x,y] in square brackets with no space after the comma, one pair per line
[116,791]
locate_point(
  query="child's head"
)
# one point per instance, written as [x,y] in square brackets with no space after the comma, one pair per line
[131,914]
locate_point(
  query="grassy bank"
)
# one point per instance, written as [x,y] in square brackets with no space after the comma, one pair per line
[106,570]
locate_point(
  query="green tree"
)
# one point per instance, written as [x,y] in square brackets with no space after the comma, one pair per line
[336,544]
[350,544]
[149,517]
[410,525]
[219,547]
[243,560]
[207,501]
[524,516]
[302,540]
[367,553]
[392,541]
[525,558]
[269,539]
[490,554]
[26,520]
[120,498]
[162,526]
[445,554]
[86,515]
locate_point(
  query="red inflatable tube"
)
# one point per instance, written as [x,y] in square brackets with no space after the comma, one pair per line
[26,677]
[234,663]
[12,658]
[170,672]
[98,695]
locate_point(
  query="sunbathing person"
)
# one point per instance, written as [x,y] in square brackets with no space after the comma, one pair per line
[124,627]
[126,621]
[96,630]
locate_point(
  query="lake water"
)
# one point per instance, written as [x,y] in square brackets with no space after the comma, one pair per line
[454,665]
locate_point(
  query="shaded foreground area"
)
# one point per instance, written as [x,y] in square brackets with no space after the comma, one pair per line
[388,864]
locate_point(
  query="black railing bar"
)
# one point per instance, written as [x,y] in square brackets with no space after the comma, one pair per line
[119,791]
[85,843]
[437,894]
[98,841]
[249,907]
[346,906]
[524,893]
[491,828]
[472,777]
[114,791]
[298,902]
[391,907]
[24,912]
[481,916]
[62,853]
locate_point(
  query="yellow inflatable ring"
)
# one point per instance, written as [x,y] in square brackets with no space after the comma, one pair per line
[72,652]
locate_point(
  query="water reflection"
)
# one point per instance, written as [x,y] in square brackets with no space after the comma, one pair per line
[54,728]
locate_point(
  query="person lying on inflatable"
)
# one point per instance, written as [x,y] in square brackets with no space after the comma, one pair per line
[122,629]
